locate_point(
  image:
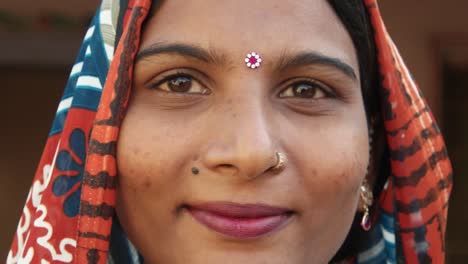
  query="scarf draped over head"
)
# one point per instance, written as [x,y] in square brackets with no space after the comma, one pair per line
[69,213]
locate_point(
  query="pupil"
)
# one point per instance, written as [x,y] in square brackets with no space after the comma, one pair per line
[304,90]
[180,84]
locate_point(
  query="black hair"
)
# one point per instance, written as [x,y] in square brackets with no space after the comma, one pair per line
[355,18]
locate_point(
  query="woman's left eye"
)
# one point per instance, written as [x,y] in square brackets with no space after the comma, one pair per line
[306,90]
[180,83]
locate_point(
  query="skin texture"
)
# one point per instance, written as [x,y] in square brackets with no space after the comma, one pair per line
[230,125]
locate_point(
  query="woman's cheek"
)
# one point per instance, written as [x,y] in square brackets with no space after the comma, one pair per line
[335,184]
[332,193]
[145,167]
[332,166]
[146,180]
[149,149]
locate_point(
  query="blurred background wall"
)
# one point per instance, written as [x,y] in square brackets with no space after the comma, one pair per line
[39,40]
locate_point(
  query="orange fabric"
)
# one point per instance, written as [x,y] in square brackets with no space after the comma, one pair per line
[421,178]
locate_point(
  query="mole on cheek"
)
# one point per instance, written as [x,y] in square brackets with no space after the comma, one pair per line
[147,183]
[337,182]
[313,173]
[136,151]
[346,182]
[154,138]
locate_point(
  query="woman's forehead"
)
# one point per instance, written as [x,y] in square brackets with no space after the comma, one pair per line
[235,27]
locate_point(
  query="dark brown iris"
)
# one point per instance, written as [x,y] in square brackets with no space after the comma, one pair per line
[304,90]
[180,84]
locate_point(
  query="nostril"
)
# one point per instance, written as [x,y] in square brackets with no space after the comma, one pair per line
[227,166]
[226,169]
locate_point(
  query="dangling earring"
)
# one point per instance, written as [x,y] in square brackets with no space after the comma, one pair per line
[366,193]
[367,198]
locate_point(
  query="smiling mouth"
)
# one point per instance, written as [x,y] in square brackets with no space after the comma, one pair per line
[241,221]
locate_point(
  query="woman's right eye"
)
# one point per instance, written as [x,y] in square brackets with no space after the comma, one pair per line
[181,83]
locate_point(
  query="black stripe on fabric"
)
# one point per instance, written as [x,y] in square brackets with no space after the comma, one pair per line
[386,105]
[404,152]
[431,131]
[413,179]
[100,180]
[123,82]
[417,174]
[418,230]
[428,222]
[418,204]
[438,156]
[395,132]
[93,235]
[96,147]
[92,256]
[431,196]
[402,86]
[388,109]
[103,210]
[444,184]
[420,240]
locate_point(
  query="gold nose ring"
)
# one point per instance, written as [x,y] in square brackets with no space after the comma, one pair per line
[280,161]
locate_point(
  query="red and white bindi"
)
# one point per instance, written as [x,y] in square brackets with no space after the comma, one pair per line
[253,60]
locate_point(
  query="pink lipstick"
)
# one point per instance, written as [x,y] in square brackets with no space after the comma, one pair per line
[243,221]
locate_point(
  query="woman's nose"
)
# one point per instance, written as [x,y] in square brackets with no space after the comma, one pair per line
[243,145]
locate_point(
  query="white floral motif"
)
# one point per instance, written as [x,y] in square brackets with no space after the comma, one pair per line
[22,228]
[63,255]
[35,196]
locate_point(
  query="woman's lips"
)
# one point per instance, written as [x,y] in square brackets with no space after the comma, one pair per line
[242,221]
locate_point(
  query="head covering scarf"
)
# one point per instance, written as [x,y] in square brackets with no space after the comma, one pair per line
[68,216]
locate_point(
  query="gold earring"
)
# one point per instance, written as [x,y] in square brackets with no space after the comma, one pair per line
[367,199]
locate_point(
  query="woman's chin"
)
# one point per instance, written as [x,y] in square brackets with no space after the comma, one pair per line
[205,245]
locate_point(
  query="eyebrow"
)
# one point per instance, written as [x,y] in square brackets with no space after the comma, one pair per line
[307,58]
[186,50]
[304,58]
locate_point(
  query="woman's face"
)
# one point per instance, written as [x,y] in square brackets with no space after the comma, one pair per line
[195,103]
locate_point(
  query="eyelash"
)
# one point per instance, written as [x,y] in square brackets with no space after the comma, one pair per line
[172,76]
[328,92]
[295,82]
